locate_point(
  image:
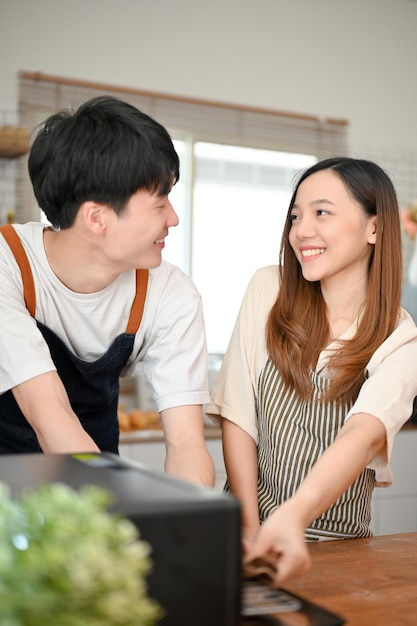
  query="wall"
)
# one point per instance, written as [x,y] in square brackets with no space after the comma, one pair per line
[354,60]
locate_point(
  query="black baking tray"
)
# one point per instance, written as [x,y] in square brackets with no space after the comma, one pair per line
[309,614]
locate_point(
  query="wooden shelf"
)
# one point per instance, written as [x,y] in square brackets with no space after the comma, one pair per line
[14,141]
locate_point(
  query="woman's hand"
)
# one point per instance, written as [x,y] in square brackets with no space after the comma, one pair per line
[279,550]
[248,536]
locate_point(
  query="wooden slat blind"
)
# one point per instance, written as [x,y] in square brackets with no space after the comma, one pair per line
[200,120]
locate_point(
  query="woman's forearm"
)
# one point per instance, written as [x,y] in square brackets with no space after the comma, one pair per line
[355,446]
[241,461]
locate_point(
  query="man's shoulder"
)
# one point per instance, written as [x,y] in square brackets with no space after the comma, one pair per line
[30,229]
[30,235]
[168,274]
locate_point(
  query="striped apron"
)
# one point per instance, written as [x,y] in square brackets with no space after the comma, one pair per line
[293,434]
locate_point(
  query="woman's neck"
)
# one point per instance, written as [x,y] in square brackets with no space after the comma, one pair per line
[343,306]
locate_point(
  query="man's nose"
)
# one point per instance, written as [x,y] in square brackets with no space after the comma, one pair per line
[173,219]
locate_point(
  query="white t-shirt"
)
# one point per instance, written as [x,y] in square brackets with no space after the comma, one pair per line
[170,341]
[387,393]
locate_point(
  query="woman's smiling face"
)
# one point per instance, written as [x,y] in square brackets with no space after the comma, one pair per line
[330,234]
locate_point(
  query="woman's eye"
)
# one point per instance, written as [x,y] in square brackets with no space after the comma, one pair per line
[293,218]
[322,212]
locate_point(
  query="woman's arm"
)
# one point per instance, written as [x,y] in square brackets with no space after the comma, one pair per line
[282,534]
[241,461]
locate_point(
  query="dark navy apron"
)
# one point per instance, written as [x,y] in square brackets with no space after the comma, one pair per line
[92,388]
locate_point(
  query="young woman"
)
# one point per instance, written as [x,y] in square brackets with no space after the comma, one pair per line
[321,370]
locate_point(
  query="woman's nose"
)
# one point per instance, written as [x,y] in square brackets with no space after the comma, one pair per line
[305,227]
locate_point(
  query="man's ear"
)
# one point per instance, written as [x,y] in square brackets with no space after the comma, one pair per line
[373,230]
[95,216]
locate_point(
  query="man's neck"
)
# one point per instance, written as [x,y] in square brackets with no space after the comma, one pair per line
[76,261]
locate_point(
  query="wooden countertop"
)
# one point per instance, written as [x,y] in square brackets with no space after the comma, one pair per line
[369,581]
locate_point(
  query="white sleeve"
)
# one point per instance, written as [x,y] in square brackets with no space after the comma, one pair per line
[390,388]
[24,352]
[174,350]
[235,389]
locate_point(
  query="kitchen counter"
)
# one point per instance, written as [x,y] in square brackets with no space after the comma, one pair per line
[366,581]
[394,510]
[210,432]
[148,447]
[139,436]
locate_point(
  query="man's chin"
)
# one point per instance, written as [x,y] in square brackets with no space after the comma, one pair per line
[150,261]
[150,264]
[154,265]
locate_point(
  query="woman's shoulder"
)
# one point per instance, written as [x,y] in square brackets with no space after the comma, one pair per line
[262,291]
[266,279]
[405,319]
[404,333]
[405,330]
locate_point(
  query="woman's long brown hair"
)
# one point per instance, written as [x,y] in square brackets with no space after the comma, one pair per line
[297,328]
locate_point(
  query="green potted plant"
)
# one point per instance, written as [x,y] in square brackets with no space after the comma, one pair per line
[66,561]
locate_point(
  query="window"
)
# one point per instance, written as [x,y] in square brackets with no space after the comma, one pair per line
[233,224]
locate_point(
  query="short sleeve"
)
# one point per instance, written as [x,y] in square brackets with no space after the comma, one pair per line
[235,389]
[390,388]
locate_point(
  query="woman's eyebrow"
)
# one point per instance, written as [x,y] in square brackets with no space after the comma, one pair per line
[315,202]
[322,201]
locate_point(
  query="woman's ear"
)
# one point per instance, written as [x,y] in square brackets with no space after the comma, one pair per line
[372,230]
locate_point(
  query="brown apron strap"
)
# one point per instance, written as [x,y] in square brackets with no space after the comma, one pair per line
[138,305]
[20,255]
[18,250]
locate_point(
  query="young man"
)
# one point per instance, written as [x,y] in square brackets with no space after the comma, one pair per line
[84,300]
